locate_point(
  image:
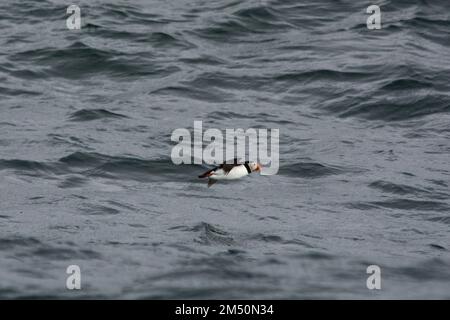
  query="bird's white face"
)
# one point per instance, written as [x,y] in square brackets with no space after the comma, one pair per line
[254,166]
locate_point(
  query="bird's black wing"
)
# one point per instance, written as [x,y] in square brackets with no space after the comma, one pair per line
[226,167]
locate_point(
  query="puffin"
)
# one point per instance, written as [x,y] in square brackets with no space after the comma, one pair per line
[230,171]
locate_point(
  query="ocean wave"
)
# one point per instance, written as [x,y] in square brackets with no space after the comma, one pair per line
[95,114]
[309,170]
[79,60]
[91,165]
[396,109]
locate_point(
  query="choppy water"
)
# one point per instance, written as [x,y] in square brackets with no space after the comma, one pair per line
[85,170]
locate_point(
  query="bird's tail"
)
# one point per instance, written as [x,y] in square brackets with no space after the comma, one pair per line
[206,174]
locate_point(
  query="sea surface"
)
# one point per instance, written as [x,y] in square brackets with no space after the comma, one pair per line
[86,177]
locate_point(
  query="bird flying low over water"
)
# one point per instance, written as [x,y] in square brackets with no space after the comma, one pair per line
[230,171]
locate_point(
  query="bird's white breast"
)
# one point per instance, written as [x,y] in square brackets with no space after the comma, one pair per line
[235,173]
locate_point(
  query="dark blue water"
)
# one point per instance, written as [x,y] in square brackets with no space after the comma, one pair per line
[86,176]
